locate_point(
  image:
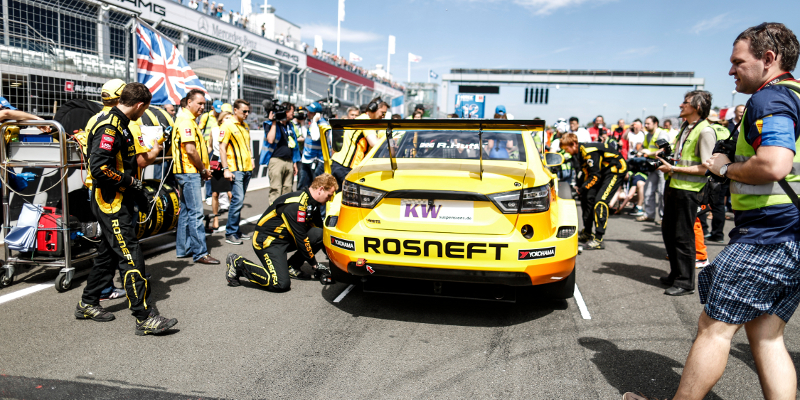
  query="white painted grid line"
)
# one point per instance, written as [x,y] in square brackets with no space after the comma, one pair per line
[581,304]
[344,293]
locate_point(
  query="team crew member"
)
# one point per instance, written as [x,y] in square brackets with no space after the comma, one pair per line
[357,143]
[604,170]
[312,162]
[684,191]
[291,223]
[237,166]
[112,160]
[191,169]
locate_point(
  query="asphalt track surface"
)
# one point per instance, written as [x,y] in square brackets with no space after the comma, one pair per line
[244,342]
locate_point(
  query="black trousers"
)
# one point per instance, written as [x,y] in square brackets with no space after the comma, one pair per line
[677,229]
[339,172]
[118,249]
[273,272]
[594,203]
[717,209]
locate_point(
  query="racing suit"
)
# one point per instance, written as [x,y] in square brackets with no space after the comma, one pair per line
[291,223]
[112,164]
[603,170]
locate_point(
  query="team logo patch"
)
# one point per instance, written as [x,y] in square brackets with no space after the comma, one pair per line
[535,254]
[107,139]
[141,141]
[105,146]
[343,244]
[187,131]
[301,216]
[110,132]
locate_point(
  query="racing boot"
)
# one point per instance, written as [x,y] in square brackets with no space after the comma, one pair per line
[232,273]
[584,237]
[96,313]
[323,273]
[154,324]
[297,273]
[595,244]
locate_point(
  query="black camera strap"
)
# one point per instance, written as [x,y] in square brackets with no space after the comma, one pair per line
[790,192]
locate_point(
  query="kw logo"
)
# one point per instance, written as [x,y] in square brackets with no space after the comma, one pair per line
[428,211]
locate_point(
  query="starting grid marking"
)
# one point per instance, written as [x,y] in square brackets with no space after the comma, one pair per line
[344,293]
[581,304]
[42,286]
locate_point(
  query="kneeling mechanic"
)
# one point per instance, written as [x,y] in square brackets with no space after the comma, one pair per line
[603,170]
[115,177]
[291,223]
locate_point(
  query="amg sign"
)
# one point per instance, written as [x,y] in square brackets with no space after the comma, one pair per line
[150,6]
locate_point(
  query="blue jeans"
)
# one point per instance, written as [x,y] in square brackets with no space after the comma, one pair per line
[191,234]
[305,176]
[208,189]
[238,188]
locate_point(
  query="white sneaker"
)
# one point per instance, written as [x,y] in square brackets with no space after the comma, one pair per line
[700,263]
[208,201]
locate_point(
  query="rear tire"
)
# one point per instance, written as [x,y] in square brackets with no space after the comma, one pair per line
[341,276]
[561,290]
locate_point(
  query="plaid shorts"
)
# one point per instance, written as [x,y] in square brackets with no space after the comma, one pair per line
[746,281]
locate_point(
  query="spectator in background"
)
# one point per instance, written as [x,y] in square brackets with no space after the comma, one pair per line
[170,109]
[599,126]
[619,132]
[352,112]
[193,4]
[737,117]
[218,182]
[212,11]
[670,131]
[264,31]
[635,136]
[312,162]
[235,19]
[577,129]
[205,7]
[396,116]
[654,188]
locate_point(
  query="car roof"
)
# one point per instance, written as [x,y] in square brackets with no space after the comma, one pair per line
[440,124]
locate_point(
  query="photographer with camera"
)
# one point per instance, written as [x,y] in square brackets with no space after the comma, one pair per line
[598,129]
[280,150]
[654,187]
[603,170]
[684,194]
[755,281]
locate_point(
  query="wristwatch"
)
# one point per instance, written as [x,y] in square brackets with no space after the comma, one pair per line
[724,170]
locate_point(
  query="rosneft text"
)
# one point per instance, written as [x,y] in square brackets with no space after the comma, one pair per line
[431,248]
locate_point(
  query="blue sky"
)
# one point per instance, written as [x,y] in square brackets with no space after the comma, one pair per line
[549,34]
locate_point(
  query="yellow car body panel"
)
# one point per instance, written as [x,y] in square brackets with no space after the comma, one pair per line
[387,240]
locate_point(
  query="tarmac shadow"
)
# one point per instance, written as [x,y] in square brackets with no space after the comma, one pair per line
[638,371]
[647,248]
[21,387]
[442,310]
[639,273]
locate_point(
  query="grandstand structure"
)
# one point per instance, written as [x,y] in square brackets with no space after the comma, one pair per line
[53,51]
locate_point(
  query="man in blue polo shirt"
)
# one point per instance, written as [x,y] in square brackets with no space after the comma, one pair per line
[755,280]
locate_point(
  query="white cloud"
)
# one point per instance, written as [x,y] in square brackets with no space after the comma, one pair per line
[711,23]
[546,7]
[638,51]
[561,50]
[328,33]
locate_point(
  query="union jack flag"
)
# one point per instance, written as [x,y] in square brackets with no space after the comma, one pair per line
[161,67]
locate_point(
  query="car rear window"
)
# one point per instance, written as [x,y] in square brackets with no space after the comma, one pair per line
[455,145]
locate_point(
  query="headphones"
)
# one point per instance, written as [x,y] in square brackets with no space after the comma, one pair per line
[373,105]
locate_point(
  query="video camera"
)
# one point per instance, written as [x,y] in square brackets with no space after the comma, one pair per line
[644,164]
[301,113]
[270,104]
[727,147]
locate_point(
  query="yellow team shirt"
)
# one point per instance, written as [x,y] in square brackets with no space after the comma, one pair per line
[237,137]
[187,131]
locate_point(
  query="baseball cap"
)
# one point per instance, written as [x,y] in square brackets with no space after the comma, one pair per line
[314,107]
[227,107]
[562,126]
[113,88]
[4,104]
[713,116]
[500,110]
[217,106]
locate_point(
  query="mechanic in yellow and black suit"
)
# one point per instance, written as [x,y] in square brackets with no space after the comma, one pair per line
[603,171]
[292,222]
[113,165]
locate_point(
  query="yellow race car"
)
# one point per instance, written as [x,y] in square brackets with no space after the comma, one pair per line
[454,200]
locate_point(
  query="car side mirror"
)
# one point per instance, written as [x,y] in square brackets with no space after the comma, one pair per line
[553,159]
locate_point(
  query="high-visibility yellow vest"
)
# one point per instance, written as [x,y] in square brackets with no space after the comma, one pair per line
[750,197]
[689,157]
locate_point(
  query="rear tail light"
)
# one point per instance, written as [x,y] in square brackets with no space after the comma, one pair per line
[355,195]
[566,231]
[525,201]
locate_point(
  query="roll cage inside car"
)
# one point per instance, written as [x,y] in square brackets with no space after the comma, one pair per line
[390,125]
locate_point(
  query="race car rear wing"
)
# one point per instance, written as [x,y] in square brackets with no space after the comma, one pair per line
[479,125]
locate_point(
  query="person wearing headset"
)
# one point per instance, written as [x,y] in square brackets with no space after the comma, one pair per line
[357,143]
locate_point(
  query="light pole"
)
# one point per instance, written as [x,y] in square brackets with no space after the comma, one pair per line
[664,112]
[733,96]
